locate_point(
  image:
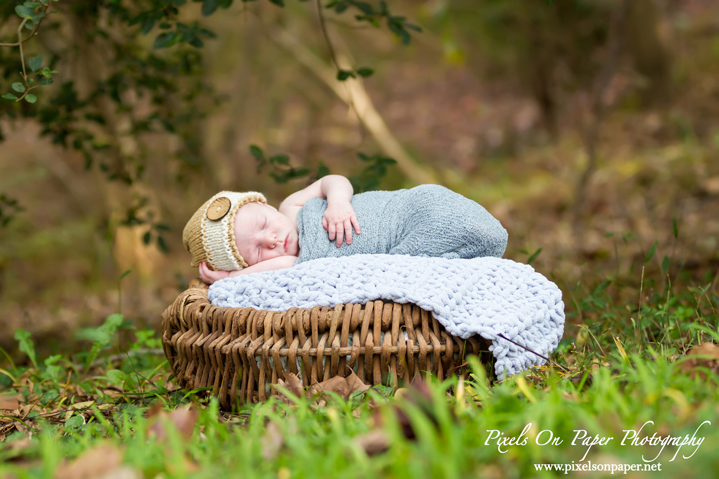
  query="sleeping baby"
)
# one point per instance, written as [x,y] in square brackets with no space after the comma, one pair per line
[239,233]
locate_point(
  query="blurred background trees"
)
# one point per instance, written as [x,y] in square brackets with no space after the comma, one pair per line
[590,116]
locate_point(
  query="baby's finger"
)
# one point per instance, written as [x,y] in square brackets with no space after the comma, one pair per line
[204,275]
[348,231]
[331,231]
[324,223]
[340,234]
[355,223]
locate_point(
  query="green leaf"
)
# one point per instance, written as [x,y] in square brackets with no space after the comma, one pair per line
[74,422]
[30,98]
[101,336]
[225,4]
[35,63]
[162,245]
[340,7]
[162,227]
[196,42]
[256,151]
[146,238]
[24,11]
[343,75]
[9,96]
[147,25]
[280,3]
[365,72]
[18,87]
[165,40]
[665,264]
[26,345]
[47,81]
[125,273]
[209,7]
[117,377]
[280,159]
[675,228]
[365,7]
[534,256]
[322,171]
[32,4]
[650,253]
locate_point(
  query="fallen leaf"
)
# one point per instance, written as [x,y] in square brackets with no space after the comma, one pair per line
[272,441]
[123,472]
[183,418]
[95,463]
[699,358]
[343,387]
[293,384]
[711,185]
[374,442]
[80,405]
[9,402]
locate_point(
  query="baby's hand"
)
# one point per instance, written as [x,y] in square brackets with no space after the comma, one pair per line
[209,276]
[338,220]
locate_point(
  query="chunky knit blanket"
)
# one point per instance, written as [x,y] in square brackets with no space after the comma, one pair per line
[428,220]
[485,296]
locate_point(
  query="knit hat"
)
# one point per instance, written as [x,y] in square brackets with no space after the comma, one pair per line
[209,236]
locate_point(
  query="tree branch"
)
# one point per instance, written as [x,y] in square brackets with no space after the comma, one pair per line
[598,109]
[34,30]
[352,92]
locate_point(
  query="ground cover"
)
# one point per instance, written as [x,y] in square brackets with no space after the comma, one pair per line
[633,373]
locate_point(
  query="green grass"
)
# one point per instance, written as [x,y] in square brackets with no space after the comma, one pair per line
[622,369]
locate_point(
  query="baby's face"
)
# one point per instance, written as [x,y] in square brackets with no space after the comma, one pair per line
[262,233]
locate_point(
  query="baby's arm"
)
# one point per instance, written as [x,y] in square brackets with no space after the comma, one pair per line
[339,218]
[281,262]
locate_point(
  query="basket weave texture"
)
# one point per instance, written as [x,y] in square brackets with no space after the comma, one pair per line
[240,352]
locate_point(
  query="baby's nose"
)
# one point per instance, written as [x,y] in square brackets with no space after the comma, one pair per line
[271,240]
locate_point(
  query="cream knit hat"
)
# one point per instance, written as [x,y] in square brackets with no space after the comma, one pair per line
[209,236]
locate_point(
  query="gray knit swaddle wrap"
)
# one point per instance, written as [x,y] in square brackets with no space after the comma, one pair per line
[428,220]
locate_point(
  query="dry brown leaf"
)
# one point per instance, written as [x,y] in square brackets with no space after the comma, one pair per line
[123,472]
[400,393]
[355,383]
[10,402]
[293,384]
[97,462]
[343,387]
[704,356]
[183,418]
[374,442]
[272,441]
[711,185]
[19,445]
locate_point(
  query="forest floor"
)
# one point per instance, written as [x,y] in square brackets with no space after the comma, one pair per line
[83,365]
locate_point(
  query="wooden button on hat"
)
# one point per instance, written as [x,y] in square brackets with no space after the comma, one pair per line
[209,236]
[219,208]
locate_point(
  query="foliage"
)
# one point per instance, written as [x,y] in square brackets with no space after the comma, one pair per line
[368,179]
[599,384]
[136,93]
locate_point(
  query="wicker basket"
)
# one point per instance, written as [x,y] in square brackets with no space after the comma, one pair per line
[239,352]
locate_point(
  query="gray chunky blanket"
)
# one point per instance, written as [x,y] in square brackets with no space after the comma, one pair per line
[485,296]
[428,220]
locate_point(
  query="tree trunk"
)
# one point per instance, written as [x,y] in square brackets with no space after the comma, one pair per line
[649,51]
